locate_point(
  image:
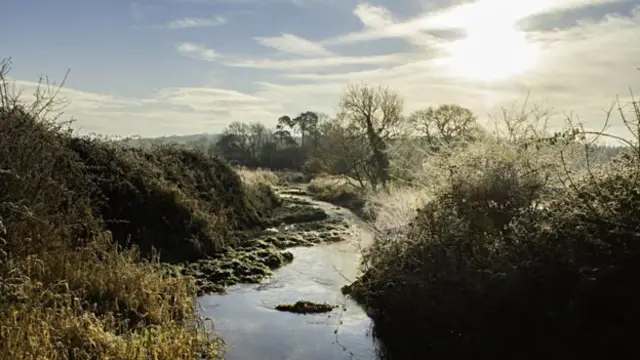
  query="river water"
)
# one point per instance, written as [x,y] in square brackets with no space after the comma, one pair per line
[252,329]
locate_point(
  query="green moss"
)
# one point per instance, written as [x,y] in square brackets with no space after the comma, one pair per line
[258,253]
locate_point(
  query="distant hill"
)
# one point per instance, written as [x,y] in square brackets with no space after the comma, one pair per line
[190,140]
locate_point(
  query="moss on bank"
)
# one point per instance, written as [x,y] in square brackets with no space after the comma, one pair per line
[259,253]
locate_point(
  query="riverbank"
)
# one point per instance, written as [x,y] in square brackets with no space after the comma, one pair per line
[104,246]
[89,229]
[479,268]
[336,191]
[296,223]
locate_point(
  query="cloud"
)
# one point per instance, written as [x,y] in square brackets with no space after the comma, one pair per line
[212,99]
[319,62]
[189,22]
[590,63]
[140,11]
[298,3]
[175,110]
[197,51]
[72,100]
[293,44]
[416,69]
[373,17]
[378,23]
[328,60]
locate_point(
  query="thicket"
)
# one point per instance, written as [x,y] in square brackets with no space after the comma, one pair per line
[520,245]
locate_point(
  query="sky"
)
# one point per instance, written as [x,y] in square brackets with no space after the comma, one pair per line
[162,67]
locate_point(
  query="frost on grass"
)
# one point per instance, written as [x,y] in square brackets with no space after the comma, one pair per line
[477,266]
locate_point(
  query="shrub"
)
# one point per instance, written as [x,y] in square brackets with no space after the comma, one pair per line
[495,263]
[178,200]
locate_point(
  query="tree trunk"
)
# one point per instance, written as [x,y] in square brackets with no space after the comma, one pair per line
[380,158]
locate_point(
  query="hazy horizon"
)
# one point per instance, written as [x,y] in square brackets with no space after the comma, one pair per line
[179,67]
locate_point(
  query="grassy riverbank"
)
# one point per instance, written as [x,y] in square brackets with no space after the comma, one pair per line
[104,246]
[338,191]
[477,267]
[87,228]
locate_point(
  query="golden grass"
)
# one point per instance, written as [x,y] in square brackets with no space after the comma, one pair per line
[67,291]
[71,333]
[255,177]
[334,189]
[97,302]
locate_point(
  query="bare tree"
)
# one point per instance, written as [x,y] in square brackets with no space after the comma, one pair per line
[444,124]
[341,151]
[376,113]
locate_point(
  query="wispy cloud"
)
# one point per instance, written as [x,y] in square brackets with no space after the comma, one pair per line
[72,99]
[259,2]
[197,51]
[212,99]
[319,62]
[140,10]
[378,23]
[175,110]
[190,22]
[295,45]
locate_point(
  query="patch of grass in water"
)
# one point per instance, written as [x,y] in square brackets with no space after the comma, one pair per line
[306,307]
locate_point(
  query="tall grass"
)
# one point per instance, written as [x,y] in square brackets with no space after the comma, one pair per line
[97,302]
[518,245]
[335,189]
[255,177]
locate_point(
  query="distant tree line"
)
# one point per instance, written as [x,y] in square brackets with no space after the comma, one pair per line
[369,141]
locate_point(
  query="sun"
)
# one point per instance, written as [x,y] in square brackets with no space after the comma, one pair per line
[491,55]
[494,48]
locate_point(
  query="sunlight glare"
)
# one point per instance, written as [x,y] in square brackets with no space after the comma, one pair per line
[494,47]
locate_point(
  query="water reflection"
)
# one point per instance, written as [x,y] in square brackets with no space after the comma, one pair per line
[252,329]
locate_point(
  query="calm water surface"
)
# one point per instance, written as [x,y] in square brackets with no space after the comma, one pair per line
[246,319]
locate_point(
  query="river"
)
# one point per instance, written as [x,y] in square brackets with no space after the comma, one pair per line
[252,329]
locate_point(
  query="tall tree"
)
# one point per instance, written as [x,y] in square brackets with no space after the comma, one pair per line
[305,124]
[286,122]
[375,112]
[445,123]
[283,136]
